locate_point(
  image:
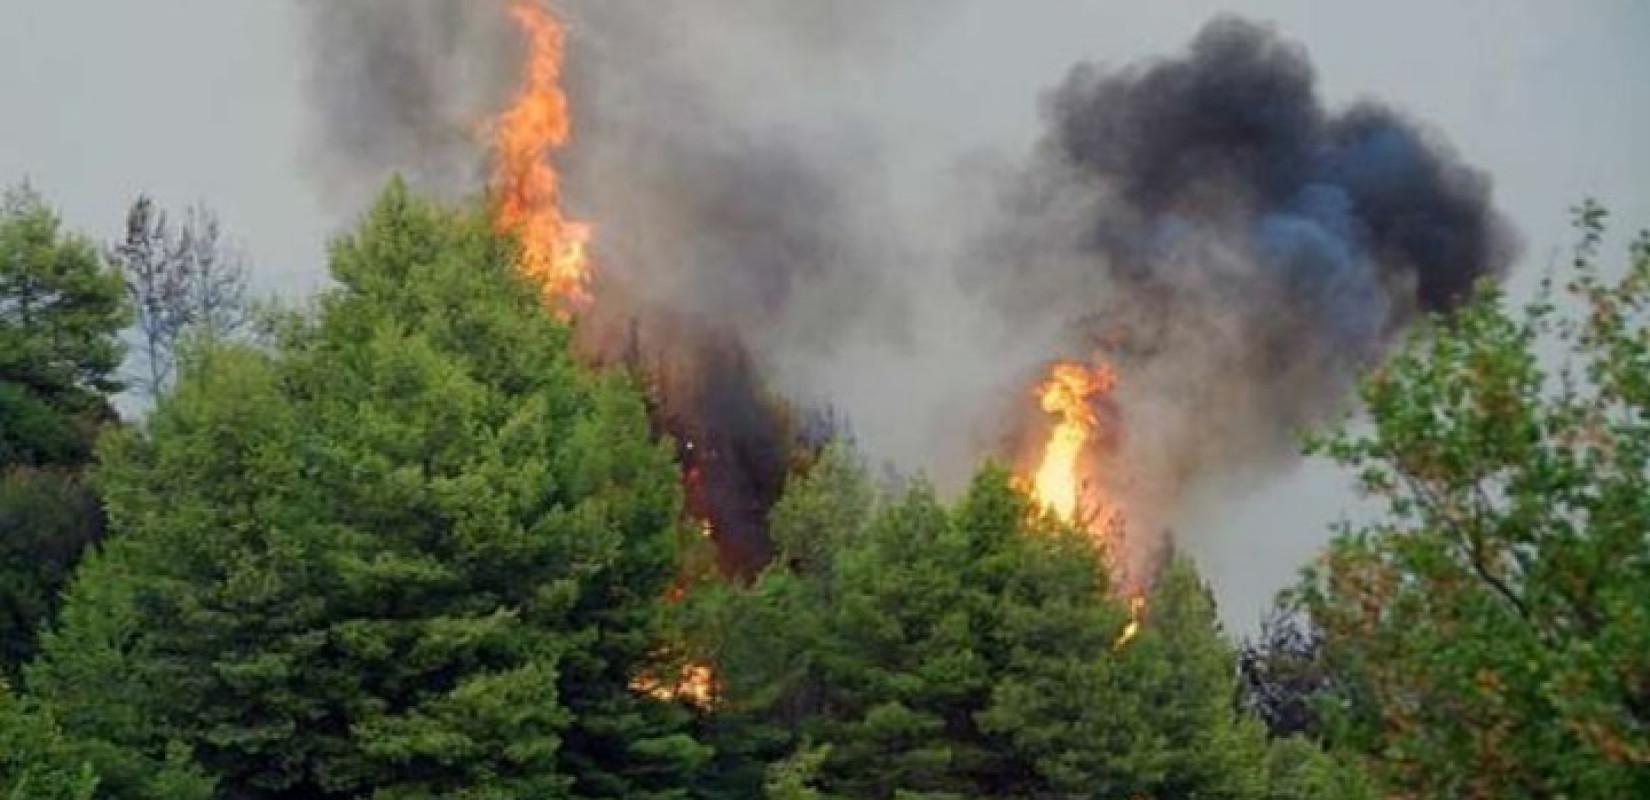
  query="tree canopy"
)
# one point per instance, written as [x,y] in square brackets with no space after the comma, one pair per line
[1491,631]
[409,549]
[61,313]
[906,649]
[405,543]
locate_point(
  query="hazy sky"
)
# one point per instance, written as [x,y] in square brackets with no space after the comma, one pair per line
[200,100]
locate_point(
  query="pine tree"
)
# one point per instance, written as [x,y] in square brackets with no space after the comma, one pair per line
[61,312]
[904,649]
[34,763]
[409,550]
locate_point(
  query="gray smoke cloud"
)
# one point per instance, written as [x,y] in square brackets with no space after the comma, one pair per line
[1204,222]
[739,228]
[402,87]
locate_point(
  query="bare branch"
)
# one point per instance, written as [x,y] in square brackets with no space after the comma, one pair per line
[182,281]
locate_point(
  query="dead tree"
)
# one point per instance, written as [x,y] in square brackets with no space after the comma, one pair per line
[183,281]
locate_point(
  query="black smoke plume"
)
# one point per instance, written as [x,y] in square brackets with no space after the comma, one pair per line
[1235,247]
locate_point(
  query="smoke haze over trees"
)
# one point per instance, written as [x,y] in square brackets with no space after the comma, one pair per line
[407,543]
[760,522]
[1203,218]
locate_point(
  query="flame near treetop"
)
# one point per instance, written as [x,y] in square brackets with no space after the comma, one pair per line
[553,248]
[528,188]
[1059,485]
[1137,610]
[553,252]
[1068,392]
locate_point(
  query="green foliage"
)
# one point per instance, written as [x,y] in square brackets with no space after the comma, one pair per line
[1299,769]
[412,551]
[1494,627]
[910,650]
[793,777]
[61,310]
[34,762]
[47,516]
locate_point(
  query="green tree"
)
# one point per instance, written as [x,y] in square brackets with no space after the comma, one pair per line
[1300,769]
[61,312]
[1493,628]
[904,649]
[410,550]
[34,762]
[48,516]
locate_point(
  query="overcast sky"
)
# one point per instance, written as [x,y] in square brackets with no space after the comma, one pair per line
[200,100]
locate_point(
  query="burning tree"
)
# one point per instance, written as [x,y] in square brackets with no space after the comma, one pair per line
[734,439]
[527,186]
[909,647]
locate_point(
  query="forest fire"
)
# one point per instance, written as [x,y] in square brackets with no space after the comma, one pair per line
[695,685]
[1069,391]
[1137,612]
[1059,484]
[715,402]
[528,188]
[554,254]
[553,248]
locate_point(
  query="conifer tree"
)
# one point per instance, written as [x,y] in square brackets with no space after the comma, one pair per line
[906,649]
[408,550]
[61,312]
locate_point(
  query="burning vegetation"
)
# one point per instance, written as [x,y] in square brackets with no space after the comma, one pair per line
[1254,257]
[1228,252]
[526,185]
[1059,483]
[471,566]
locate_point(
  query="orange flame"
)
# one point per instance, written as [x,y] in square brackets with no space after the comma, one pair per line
[695,685]
[1068,392]
[1058,484]
[553,248]
[528,188]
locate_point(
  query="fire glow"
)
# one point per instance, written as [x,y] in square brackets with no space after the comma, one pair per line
[554,254]
[527,187]
[553,248]
[1059,484]
[1069,393]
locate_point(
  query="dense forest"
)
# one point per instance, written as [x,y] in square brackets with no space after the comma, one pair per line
[400,542]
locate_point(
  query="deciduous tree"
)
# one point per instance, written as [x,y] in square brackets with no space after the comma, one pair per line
[1494,625]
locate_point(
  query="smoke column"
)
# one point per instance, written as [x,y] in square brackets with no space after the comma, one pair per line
[1203,222]
[401,86]
[737,230]
[1236,249]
